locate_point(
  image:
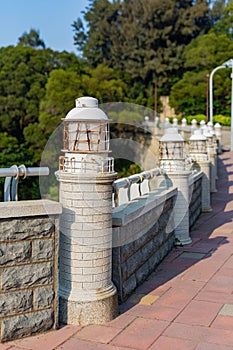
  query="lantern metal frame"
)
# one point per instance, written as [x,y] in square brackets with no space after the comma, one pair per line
[103,129]
[168,150]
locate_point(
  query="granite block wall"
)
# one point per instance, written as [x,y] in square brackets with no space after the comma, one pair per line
[143,234]
[28,268]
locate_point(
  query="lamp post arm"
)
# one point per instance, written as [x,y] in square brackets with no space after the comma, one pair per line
[211,90]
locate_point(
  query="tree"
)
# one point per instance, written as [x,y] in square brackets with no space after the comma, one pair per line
[96,42]
[24,72]
[143,39]
[103,83]
[224,23]
[31,39]
[202,55]
[62,88]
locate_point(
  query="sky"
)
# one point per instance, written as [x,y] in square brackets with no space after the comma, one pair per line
[53,19]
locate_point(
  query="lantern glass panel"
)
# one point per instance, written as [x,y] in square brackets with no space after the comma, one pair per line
[171,150]
[86,136]
[198,146]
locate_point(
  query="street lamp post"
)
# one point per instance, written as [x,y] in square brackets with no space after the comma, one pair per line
[207,98]
[227,64]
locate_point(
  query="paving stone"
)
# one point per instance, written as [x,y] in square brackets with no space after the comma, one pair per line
[48,341]
[149,299]
[97,333]
[157,312]
[78,344]
[223,322]
[199,313]
[191,255]
[227,310]
[121,321]
[205,346]
[140,334]
[165,343]
[200,334]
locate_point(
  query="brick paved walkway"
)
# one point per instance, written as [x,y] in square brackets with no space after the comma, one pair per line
[187,303]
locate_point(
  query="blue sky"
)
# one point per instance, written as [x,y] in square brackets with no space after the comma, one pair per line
[53,18]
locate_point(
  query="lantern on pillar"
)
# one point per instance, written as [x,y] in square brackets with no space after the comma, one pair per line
[86,292]
[172,151]
[86,138]
[198,146]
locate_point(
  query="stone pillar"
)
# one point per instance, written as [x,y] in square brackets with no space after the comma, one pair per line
[198,154]
[172,161]
[218,133]
[181,213]
[193,126]
[205,192]
[211,150]
[156,125]
[87,294]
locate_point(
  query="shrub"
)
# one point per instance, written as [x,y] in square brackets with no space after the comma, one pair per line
[222,120]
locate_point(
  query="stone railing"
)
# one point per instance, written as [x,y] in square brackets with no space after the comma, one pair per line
[143,232]
[28,268]
[129,188]
[141,239]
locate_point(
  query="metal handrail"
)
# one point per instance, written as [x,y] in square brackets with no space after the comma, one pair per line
[12,175]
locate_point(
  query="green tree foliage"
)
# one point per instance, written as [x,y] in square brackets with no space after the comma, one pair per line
[62,88]
[144,39]
[24,73]
[96,43]
[188,96]
[225,22]
[103,83]
[31,39]
[22,81]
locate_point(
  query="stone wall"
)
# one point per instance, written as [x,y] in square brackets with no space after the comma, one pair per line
[142,236]
[28,268]
[195,204]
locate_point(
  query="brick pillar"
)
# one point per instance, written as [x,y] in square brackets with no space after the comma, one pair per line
[172,161]
[199,155]
[181,211]
[86,292]
[205,196]
[218,133]
[86,174]
[213,169]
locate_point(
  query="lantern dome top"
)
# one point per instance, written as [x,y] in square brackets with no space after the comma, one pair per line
[86,108]
[217,125]
[172,135]
[198,136]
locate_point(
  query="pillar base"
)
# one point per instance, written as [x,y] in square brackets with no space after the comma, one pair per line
[181,242]
[206,210]
[83,312]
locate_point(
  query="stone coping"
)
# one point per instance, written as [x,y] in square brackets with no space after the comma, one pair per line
[195,177]
[128,212]
[29,208]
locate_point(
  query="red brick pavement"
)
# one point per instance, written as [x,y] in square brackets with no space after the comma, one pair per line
[187,303]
